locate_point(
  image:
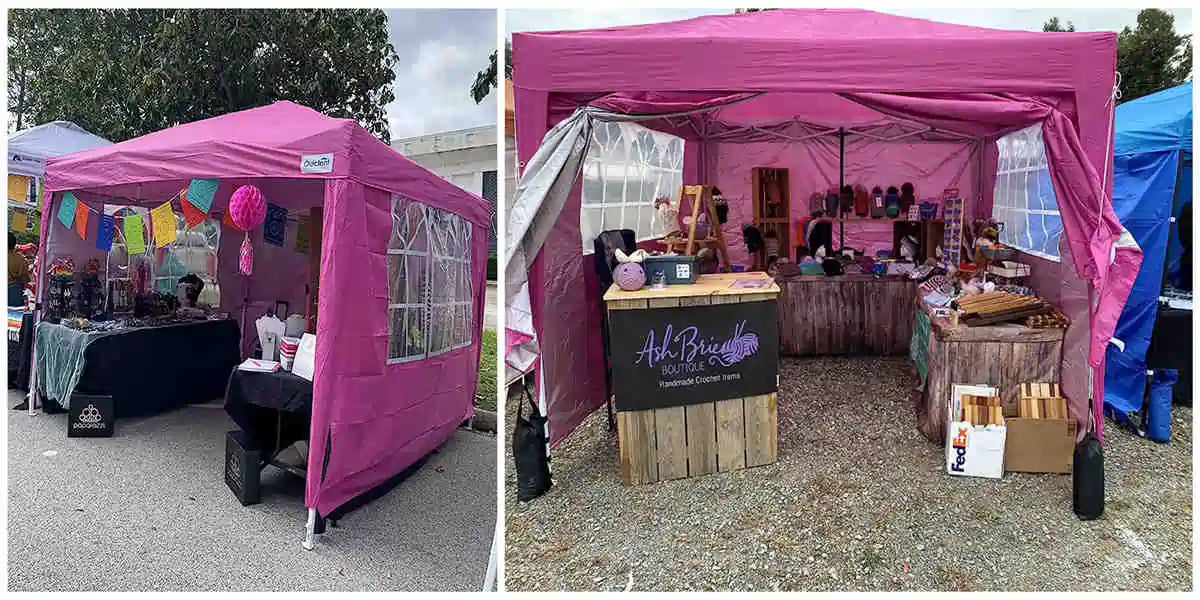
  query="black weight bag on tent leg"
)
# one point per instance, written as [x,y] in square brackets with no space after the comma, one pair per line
[529,451]
[1087,475]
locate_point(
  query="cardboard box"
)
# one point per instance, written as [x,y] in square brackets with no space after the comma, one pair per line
[974,450]
[1040,445]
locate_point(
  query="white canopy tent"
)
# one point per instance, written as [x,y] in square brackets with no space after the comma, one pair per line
[29,148]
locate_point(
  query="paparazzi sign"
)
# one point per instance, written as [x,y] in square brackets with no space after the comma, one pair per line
[90,416]
[675,356]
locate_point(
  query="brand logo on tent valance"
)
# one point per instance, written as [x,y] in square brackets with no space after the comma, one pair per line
[316,163]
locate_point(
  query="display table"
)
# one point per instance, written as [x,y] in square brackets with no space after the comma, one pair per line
[695,375]
[20,349]
[147,370]
[1002,355]
[845,315]
[274,409]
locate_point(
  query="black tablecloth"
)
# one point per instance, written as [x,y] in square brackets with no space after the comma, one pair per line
[1171,348]
[20,354]
[261,403]
[149,370]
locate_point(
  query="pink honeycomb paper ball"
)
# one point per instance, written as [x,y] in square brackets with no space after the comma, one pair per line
[247,207]
[629,276]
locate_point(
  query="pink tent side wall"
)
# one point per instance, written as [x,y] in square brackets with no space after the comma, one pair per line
[368,405]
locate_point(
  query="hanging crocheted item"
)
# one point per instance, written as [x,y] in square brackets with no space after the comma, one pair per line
[246,257]
[248,209]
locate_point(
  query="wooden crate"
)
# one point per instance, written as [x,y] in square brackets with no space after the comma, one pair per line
[1002,356]
[847,315]
[697,439]
[689,441]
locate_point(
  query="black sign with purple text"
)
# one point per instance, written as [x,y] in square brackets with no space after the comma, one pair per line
[675,356]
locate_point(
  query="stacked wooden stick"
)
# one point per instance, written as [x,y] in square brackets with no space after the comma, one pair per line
[1000,307]
[982,410]
[1041,401]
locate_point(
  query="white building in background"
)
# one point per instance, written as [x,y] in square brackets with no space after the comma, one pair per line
[465,157]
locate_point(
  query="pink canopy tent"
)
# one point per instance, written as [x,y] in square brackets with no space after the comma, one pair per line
[917,101]
[371,419]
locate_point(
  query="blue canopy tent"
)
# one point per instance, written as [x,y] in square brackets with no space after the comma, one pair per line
[1152,184]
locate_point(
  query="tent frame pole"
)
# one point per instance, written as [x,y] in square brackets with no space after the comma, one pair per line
[841,184]
[310,530]
[32,396]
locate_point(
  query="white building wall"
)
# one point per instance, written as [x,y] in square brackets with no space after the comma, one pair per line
[459,156]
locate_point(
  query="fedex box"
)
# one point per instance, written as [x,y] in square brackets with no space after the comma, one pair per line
[973,450]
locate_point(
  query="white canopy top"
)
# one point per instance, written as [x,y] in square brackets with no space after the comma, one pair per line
[29,148]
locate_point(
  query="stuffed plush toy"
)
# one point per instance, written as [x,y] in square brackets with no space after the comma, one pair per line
[892,202]
[862,201]
[878,210]
[908,197]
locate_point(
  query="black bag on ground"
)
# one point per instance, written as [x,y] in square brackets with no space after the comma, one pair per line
[529,453]
[1088,478]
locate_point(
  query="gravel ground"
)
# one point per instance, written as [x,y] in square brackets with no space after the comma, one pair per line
[857,500]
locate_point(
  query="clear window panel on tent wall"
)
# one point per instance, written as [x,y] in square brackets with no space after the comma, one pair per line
[1024,199]
[430,294]
[193,251]
[408,274]
[626,168]
[451,295]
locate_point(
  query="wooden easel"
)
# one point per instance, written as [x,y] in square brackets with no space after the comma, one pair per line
[700,194]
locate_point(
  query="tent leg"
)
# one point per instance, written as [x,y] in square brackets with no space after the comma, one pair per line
[309,530]
[489,579]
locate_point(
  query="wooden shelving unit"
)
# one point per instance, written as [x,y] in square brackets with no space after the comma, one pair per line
[929,235]
[772,205]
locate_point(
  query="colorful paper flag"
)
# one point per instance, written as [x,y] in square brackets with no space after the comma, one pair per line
[302,234]
[275,225]
[19,221]
[191,215]
[135,242]
[227,221]
[66,209]
[104,232]
[18,188]
[81,219]
[163,219]
[200,193]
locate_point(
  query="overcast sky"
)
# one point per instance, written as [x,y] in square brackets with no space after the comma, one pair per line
[441,50]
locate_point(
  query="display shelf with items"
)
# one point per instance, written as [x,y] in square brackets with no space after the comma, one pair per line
[701,225]
[772,204]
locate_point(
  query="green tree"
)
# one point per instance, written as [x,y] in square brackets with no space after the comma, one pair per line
[488,79]
[1150,57]
[125,73]
[1054,25]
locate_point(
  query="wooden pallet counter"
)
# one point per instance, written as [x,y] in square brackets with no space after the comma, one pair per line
[695,376]
[845,315]
[1001,355]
